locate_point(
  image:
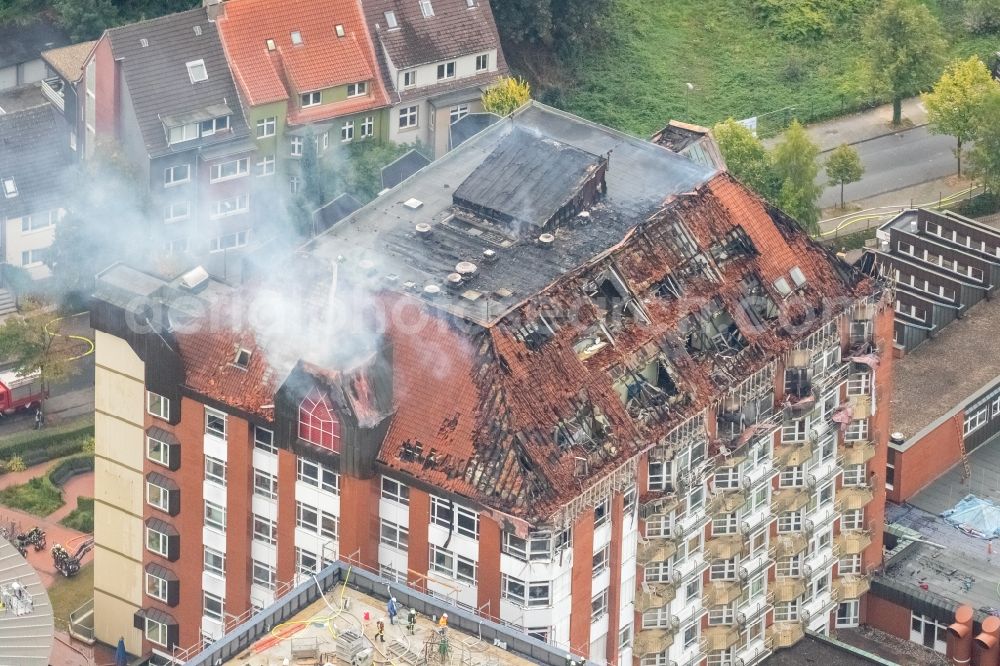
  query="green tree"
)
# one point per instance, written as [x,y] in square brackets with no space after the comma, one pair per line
[85,19]
[30,347]
[506,96]
[904,48]
[20,11]
[560,23]
[795,167]
[843,166]
[746,158]
[954,104]
[984,158]
[982,16]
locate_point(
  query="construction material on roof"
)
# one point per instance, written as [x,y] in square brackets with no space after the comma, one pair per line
[26,629]
[975,516]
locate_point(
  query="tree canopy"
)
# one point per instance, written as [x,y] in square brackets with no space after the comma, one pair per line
[30,347]
[795,166]
[562,23]
[984,158]
[506,96]
[954,105]
[746,158]
[904,49]
[844,166]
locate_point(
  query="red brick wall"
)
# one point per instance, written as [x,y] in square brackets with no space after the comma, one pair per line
[615,588]
[418,552]
[239,525]
[581,584]
[106,91]
[926,459]
[879,428]
[489,566]
[887,616]
[360,533]
[287,471]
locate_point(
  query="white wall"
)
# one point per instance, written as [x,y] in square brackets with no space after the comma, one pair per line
[19,241]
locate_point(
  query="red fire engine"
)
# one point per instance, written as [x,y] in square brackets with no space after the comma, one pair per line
[20,391]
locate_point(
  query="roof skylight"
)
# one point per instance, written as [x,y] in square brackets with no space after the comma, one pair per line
[390,20]
[340,30]
[426,8]
[296,37]
[9,188]
[270,45]
[196,71]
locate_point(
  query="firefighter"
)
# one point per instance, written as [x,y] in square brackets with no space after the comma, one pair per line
[411,621]
[380,631]
[39,418]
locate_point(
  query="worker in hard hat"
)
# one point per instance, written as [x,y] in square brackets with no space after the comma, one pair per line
[411,621]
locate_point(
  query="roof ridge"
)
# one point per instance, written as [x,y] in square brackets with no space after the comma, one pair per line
[145,22]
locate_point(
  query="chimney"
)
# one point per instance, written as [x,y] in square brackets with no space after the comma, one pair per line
[213,7]
[959,650]
[987,643]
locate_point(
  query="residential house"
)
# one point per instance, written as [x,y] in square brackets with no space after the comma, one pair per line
[162,91]
[307,73]
[34,158]
[20,51]
[583,414]
[64,88]
[437,57]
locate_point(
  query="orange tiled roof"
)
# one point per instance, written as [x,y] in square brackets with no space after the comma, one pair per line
[321,60]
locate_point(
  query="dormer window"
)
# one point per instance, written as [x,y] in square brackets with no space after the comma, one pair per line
[242,359]
[426,9]
[311,99]
[318,425]
[183,133]
[339,29]
[390,20]
[357,89]
[270,45]
[296,37]
[210,127]
[196,71]
[9,188]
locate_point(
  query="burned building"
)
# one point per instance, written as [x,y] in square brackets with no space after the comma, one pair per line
[563,378]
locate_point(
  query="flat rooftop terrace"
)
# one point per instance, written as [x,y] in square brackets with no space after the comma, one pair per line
[946,370]
[322,624]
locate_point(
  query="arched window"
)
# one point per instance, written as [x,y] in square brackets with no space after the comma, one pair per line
[317,423]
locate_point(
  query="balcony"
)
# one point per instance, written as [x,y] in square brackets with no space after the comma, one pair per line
[789,499]
[655,595]
[787,589]
[52,88]
[850,587]
[794,454]
[655,550]
[832,378]
[651,641]
[719,637]
[853,542]
[722,592]
[861,406]
[659,506]
[785,634]
[854,497]
[727,501]
[857,453]
[789,545]
[724,547]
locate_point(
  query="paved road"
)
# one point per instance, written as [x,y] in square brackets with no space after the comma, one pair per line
[896,161]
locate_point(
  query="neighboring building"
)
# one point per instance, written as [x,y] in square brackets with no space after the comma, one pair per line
[34,158]
[594,428]
[437,57]
[26,620]
[64,88]
[162,90]
[306,73]
[942,264]
[21,47]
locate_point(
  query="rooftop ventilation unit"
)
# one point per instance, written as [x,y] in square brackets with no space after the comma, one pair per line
[195,278]
[423,230]
[798,277]
[454,280]
[546,240]
[466,269]
[413,204]
[432,291]
[490,257]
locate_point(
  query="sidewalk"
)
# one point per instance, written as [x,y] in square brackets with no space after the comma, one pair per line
[862,126]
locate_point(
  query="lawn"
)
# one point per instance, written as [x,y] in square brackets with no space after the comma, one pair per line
[636,79]
[81,518]
[68,594]
[39,496]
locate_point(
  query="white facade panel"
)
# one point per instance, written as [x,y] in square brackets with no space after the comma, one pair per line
[215,447]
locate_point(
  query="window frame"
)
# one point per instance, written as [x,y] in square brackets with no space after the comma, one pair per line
[211,522]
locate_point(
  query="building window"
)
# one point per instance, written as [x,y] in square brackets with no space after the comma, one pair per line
[157,405]
[297,143]
[215,562]
[176,211]
[788,567]
[848,565]
[263,440]
[324,478]
[790,521]
[263,575]
[229,170]
[601,560]
[727,524]
[848,613]
[157,542]
[157,496]
[306,517]
[311,98]
[215,423]
[230,206]
[156,587]
[426,9]
[215,470]
[787,611]
[927,632]
[658,478]
[792,477]
[602,512]
[853,519]
[599,606]
[446,70]
[368,127]
[482,62]
[305,562]
[629,499]
[854,475]
[458,112]
[394,536]
[266,127]
[183,133]
[265,529]
[357,89]
[215,516]
[157,451]
[196,71]
[976,421]
[857,431]
[294,184]
[723,570]
[265,166]
[691,635]
[212,607]
[179,173]
[409,79]
[347,130]
[452,565]
[795,431]
[395,491]
[210,127]
[265,484]
[318,425]
[38,221]
[659,526]
[523,594]
[228,241]
[408,117]
[156,632]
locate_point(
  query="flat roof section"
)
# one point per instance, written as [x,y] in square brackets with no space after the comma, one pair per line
[821,650]
[946,370]
[26,629]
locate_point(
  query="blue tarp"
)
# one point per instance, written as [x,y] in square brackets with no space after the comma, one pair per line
[975,516]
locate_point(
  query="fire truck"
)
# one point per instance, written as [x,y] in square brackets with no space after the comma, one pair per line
[20,391]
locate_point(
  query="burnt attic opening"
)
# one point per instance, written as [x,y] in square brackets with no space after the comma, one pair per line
[735,244]
[649,388]
[588,428]
[798,374]
[712,330]
[534,334]
[532,183]
[613,298]
[756,302]
[668,288]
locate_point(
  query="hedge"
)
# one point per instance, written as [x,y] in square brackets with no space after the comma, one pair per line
[36,446]
[64,469]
